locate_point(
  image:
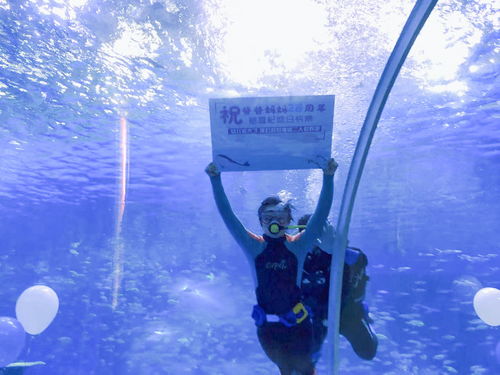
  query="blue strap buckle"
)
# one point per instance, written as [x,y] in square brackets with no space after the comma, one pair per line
[295,316]
[259,315]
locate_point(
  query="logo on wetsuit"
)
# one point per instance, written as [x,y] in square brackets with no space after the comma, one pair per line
[277,265]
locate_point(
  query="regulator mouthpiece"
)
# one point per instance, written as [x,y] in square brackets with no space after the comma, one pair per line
[275,228]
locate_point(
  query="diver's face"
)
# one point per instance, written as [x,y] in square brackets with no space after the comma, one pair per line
[274,215]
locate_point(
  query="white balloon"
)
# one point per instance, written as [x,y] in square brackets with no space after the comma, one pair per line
[36,308]
[487,305]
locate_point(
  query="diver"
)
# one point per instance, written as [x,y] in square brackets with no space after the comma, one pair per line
[284,325]
[354,319]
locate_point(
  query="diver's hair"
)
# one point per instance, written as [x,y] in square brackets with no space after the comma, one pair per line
[273,201]
[303,221]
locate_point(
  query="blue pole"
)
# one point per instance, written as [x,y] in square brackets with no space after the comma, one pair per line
[413,25]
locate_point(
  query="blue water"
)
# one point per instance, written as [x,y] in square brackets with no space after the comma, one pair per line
[427,212]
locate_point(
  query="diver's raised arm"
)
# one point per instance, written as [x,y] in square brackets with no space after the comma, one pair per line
[318,219]
[233,224]
[325,241]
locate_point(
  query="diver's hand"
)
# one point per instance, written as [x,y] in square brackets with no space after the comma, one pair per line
[331,167]
[212,170]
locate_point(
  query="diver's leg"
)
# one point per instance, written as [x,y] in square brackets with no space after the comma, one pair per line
[299,349]
[354,320]
[286,371]
[319,335]
[355,327]
[273,338]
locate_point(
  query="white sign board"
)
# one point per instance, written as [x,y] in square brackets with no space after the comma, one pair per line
[269,133]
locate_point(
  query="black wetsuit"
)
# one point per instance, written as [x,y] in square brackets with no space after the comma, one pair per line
[290,348]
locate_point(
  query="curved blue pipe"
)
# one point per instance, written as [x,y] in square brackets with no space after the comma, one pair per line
[413,25]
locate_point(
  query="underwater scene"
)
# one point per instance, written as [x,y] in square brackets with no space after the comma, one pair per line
[114,258]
